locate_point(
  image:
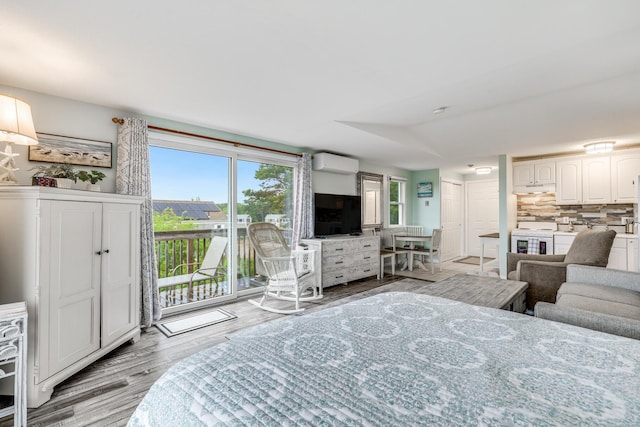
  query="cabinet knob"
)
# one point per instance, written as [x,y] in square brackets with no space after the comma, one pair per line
[106,251]
[99,253]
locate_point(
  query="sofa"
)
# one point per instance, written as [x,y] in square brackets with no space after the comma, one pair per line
[597,298]
[545,273]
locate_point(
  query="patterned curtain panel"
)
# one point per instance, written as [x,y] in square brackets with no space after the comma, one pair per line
[303,212]
[133,175]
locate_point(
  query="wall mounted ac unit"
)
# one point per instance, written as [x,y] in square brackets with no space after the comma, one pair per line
[327,162]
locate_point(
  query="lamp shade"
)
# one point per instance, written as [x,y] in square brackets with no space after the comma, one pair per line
[16,123]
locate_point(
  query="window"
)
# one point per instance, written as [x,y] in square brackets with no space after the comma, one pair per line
[397,197]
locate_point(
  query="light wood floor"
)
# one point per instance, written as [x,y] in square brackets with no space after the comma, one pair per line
[107,392]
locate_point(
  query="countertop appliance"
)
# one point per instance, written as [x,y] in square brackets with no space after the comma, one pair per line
[533,238]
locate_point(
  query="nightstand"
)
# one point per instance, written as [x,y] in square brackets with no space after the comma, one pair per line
[13,357]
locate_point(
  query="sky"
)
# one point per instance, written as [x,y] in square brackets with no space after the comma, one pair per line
[183,175]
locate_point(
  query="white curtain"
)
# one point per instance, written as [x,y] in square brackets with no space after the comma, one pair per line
[303,211]
[133,177]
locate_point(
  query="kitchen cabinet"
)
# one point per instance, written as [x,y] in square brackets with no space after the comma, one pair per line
[618,254]
[625,169]
[534,173]
[596,180]
[73,256]
[569,182]
[562,243]
[633,263]
[623,255]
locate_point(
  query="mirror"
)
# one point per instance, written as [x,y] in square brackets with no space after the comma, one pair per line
[369,187]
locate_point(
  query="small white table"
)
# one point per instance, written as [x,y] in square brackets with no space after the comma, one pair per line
[13,358]
[412,240]
[488,239]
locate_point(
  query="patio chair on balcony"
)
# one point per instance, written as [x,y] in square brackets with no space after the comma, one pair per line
[210,268]
[290,274]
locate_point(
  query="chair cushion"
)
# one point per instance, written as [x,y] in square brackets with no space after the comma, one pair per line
[591,248]
[512,275]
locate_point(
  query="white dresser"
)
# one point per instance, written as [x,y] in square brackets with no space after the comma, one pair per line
[13,358]
[73,257]
[343,259]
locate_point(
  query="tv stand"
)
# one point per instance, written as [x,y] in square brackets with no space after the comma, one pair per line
[345,258]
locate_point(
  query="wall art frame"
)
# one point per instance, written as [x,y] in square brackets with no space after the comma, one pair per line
[53,148]
[425,189]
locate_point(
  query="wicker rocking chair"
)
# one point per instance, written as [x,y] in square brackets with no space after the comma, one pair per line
[289,273]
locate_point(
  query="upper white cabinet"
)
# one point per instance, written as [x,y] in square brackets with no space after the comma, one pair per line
[598,180]
[534,173]
[73,256]
[596,183]
[625,169]
[569,182]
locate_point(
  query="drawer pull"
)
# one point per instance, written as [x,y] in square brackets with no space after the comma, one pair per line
[339,249]
[367,270]
[367,246]
[340,276]
[367,257]
[339,262]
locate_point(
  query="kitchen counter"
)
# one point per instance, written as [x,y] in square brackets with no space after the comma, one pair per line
[573,233]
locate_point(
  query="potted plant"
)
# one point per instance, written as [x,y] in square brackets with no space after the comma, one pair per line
[93,177]
[63,173]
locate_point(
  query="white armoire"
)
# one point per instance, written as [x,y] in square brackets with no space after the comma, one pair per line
[73,257]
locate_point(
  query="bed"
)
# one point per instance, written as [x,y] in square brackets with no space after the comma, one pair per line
[399,359]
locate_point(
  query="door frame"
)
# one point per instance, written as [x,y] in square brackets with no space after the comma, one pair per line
[461,213]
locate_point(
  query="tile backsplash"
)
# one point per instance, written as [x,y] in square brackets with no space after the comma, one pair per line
[542,207]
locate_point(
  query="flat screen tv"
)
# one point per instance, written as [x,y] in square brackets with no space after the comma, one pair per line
[337,214]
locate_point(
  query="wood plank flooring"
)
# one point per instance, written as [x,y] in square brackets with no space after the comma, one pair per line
[107,392]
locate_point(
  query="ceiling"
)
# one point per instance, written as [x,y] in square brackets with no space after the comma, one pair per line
[356,77]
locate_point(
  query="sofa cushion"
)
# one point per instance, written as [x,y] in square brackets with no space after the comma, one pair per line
[601,299]
[602,292]
[591,247]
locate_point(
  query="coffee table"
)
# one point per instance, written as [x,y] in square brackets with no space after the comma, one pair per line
[480,290]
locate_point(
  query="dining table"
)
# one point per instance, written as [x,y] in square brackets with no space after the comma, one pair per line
[411,241]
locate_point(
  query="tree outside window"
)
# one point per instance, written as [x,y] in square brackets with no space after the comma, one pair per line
[397,202]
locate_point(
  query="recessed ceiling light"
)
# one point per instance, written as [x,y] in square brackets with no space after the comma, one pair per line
[439,110]
[599,147]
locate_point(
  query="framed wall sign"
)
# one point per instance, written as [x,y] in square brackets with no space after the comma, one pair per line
[425,189]
[76,151]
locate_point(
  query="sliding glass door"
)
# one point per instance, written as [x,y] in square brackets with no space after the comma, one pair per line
[203,199]
[265,194]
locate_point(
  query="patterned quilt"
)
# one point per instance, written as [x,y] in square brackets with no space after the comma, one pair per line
[403,359]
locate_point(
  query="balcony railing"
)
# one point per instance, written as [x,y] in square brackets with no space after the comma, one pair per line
[187,248]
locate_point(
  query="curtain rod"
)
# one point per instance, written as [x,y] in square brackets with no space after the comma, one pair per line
[211,138]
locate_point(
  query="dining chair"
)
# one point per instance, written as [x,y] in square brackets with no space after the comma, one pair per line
[388,250]
[433,253]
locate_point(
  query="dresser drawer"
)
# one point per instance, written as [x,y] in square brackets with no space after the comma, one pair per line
[366,244]
[362,271]
[340,247]
[365,257]
[331,278]
[335,262]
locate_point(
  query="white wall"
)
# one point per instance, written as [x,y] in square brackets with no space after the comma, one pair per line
[63,116]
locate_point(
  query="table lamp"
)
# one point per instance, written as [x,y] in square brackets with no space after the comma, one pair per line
[16,127]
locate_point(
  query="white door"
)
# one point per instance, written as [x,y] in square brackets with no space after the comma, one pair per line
[74,277]
[120,254]
[451,219]
[482,214]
